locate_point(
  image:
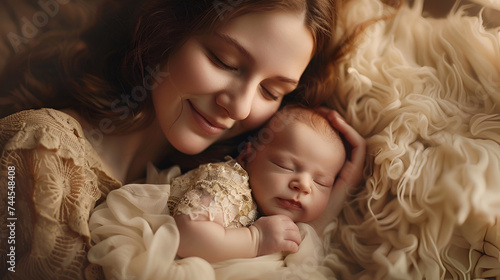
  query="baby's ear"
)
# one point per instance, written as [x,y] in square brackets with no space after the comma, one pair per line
[246,154]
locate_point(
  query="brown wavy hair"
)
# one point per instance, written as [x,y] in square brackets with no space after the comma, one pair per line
[104,71]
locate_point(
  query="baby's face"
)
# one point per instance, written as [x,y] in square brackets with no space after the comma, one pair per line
[294,174]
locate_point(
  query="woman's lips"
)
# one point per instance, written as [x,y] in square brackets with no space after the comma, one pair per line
[209,127]
[289,204]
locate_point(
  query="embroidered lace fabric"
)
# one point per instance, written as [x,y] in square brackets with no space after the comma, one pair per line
[58,181]
[214,189]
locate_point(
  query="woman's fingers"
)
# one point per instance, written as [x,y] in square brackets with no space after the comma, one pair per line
[351,173]
[357,142]
[350,176]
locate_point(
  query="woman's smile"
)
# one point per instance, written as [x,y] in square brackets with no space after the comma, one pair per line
[207,124]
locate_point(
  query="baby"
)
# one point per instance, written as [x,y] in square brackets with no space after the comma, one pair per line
[285,175]
[241,208]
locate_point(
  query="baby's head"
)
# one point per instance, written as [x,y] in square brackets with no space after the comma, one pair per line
[293,163]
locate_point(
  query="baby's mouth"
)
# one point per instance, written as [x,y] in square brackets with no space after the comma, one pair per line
[290,203]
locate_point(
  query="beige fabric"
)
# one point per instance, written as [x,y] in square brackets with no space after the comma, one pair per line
[58,180]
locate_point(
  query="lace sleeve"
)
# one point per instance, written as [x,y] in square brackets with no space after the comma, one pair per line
[217,192]
[56,187]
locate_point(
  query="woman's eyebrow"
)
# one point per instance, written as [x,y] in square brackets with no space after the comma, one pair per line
[233,42]
[230,40]
[288,80]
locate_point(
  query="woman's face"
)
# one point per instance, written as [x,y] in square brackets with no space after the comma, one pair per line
[222,84]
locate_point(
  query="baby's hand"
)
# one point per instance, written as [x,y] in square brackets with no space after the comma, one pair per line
[277,233]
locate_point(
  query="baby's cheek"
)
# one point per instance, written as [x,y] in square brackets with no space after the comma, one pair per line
[261,188]
[321,200]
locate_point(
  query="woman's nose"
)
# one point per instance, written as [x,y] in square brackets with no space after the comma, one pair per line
[238,100]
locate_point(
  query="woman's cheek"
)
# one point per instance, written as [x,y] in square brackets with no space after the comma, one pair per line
[192,72]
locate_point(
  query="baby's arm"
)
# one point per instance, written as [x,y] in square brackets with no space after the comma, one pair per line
[212,242]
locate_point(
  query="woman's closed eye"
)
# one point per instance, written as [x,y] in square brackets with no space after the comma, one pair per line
[226,66]
[220,63]
[269,94]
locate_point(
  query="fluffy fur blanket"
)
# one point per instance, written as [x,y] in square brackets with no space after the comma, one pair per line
[425,92]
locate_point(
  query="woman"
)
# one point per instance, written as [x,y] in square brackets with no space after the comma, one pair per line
[194,73]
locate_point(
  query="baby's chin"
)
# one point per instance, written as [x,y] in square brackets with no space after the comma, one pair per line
[290,215]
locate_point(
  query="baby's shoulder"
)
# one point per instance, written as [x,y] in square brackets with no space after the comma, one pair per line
[227,171]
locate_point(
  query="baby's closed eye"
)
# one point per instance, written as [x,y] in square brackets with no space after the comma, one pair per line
[284,165]
[324,181]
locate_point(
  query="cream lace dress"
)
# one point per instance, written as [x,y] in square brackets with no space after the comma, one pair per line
[214,189]
[135,235]
[58,179]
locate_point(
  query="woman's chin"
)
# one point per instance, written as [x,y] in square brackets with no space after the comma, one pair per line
[190,145]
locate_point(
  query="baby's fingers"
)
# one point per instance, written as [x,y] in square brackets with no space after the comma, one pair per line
[291,247]
[292,238]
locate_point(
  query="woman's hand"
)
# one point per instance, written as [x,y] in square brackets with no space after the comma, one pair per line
[351,173]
